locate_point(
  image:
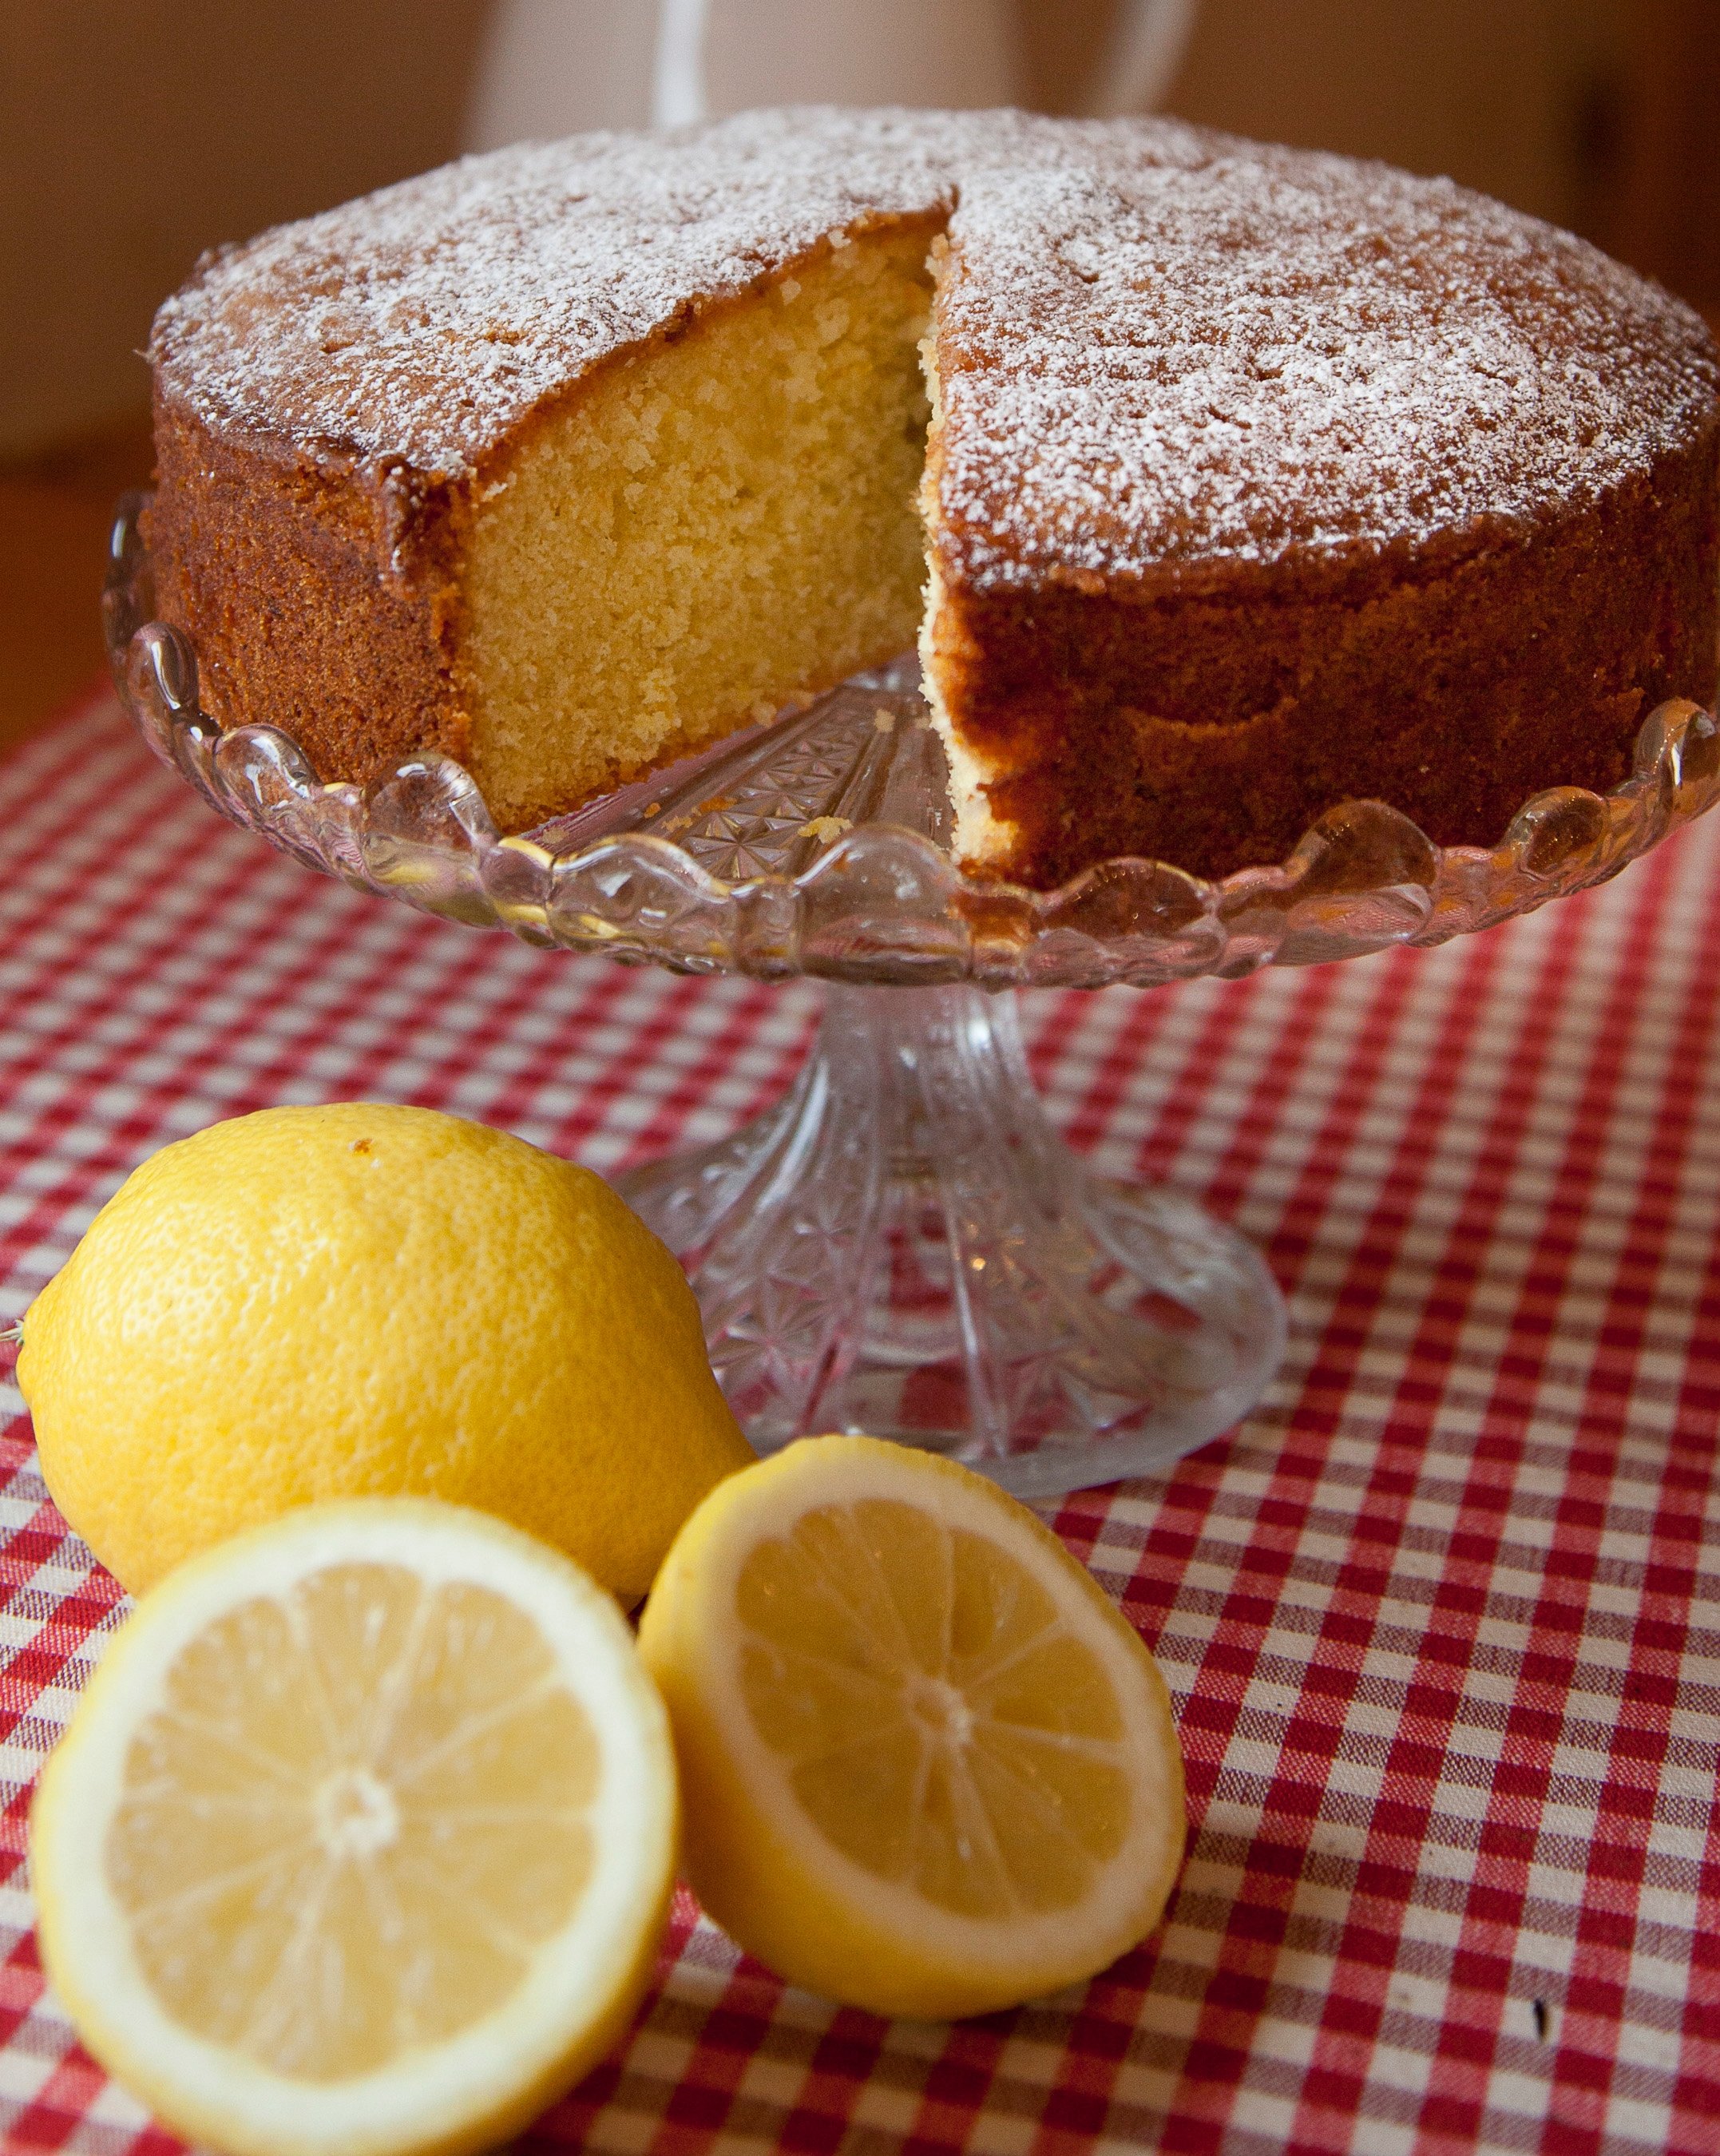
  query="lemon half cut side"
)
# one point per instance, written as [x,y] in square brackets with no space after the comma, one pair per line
[928,1769]
[361,1837]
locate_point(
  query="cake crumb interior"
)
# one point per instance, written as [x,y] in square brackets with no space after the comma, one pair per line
[718,522]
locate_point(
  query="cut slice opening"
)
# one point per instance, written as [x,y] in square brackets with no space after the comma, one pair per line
[706,528]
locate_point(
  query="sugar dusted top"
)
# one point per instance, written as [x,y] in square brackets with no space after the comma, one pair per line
[415,326]
[1177,351]
[1160,349]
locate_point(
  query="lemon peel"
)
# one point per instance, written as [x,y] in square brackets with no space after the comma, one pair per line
[929,1770]
[362,1300]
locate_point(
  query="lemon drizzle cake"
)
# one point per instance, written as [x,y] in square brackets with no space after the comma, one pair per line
[1255,480]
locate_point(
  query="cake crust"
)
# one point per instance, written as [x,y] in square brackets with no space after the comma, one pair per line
[1258,479]
[1383,491]
[1211,730]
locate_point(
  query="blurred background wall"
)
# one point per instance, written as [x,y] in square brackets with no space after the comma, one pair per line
[133,133]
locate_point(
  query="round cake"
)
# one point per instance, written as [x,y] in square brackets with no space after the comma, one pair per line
[1218,483]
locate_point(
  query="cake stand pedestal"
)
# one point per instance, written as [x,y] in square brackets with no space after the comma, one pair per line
[903,1245]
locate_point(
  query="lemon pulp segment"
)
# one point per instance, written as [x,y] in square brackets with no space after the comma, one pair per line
[355,1818]
[937,1720]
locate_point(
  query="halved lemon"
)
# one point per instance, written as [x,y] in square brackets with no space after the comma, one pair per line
[361,1837]
[928,1769]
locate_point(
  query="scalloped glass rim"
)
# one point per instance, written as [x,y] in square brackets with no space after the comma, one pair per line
[835,814]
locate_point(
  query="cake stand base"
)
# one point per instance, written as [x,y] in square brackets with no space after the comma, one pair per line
[903,1245]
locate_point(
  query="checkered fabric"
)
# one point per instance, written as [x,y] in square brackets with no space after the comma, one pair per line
[1442,1619]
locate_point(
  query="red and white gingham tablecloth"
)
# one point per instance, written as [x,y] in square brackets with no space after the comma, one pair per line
[1442,1619]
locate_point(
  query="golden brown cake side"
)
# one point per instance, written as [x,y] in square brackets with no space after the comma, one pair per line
[698,527]
[352,411]
[1261,480]
[280,568]
[1211,730]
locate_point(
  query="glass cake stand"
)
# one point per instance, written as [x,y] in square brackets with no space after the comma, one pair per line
[903,1245]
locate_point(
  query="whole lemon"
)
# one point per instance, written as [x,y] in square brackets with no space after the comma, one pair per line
[359,1301]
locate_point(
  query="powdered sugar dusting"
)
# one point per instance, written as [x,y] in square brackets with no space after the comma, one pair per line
[415,326]
[1162,350]
[1181,351]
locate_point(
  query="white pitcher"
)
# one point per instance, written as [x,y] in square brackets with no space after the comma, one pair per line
[555,67]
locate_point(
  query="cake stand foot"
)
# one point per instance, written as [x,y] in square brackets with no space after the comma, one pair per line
[904,1246]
